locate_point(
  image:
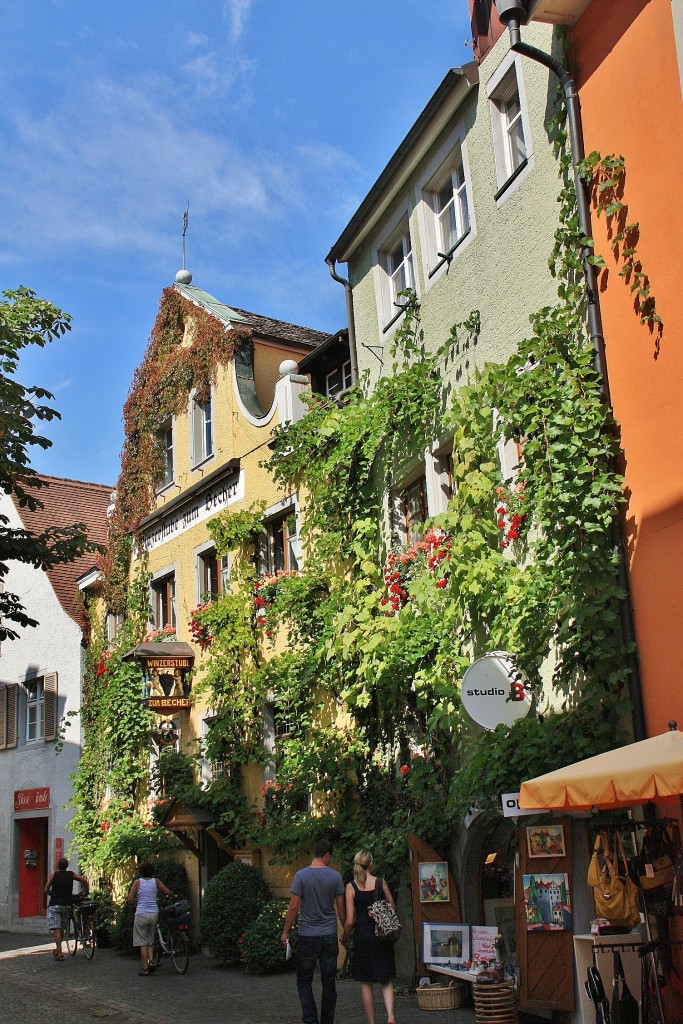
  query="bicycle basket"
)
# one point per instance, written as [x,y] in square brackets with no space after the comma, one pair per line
[87,908]
[178,912]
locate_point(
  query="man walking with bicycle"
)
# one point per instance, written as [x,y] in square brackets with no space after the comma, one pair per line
[60,886]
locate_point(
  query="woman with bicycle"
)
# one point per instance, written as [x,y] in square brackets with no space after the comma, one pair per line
[60,886]
[143,894]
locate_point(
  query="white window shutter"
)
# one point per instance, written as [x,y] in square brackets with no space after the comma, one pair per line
[11,704]
[50,691]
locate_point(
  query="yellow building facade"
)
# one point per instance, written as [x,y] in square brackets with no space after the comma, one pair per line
[213,463]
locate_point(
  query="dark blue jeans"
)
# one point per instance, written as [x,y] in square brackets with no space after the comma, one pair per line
[309,951]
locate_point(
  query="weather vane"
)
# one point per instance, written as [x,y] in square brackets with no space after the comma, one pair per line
[186,220]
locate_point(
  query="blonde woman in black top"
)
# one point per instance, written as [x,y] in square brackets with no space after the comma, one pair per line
[372,960]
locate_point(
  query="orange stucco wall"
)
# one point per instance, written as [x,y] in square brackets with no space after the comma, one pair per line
[626,67]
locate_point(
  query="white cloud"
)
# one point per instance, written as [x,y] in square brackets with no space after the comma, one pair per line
[237,12]
[108,168]
[214,75]
[197,39]
[56,388]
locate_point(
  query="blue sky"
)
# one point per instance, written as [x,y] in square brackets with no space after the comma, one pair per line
[272,119]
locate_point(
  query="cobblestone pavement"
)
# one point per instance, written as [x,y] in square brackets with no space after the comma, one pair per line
[33,986]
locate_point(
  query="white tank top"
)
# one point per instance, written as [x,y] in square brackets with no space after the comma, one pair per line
[147,897]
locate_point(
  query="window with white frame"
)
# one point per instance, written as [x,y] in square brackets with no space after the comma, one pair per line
[114,622]
[164,601]
[447,196]
[338,381]
[445,216]
[410,509]
[511,134]
[276,548]
[201,417]
[165,440]
[213,573]
[35,710]
[395,262]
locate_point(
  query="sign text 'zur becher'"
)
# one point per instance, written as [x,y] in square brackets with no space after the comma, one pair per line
[166,703]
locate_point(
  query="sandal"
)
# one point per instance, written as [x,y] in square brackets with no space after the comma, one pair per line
[143,974]
[58,956]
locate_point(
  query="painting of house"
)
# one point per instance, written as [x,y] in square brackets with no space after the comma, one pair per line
[546,902]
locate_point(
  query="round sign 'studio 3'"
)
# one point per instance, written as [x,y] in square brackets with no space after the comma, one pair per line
[495,692]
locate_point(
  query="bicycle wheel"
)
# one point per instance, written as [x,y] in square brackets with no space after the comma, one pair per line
[88,939]
[157,949]
[71,936]
[180,950]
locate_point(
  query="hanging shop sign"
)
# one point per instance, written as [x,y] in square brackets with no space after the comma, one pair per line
[32,799]
[159,664]
[494,691]
[511,809]
[166,703]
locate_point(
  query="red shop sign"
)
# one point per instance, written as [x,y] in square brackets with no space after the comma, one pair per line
[32,799]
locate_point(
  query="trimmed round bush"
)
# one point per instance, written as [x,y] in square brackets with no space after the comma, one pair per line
[233,899]
[261,946]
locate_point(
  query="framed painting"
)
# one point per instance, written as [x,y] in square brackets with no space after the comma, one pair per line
[445,942]
[546,902]
[545,841]
[434,882]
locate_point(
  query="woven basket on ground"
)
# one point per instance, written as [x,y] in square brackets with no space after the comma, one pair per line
[495,1004]
[441,997]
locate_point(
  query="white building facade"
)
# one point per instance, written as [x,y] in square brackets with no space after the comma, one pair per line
[41,674]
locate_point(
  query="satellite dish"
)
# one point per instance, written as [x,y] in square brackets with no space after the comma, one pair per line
[494,691]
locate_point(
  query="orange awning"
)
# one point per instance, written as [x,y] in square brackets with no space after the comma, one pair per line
[636,774]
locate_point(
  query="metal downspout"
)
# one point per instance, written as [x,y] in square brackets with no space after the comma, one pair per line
[597,341]
[349,316]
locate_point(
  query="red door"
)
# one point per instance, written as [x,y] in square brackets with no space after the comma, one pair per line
[32,854]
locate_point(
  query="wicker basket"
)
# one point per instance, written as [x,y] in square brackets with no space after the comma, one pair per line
[441,997]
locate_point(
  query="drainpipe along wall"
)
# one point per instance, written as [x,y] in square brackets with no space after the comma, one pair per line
[349,316]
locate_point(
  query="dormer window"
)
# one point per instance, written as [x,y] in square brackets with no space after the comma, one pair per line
[338,381]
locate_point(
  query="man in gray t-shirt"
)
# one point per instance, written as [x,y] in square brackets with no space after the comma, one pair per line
[316,892]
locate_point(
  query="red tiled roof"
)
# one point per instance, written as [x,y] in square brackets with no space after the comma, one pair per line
[67,502]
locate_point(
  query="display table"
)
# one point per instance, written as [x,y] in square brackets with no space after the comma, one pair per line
[599,950]
[452,972]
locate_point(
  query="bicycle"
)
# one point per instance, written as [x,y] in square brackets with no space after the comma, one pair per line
[173,936]
[81,927]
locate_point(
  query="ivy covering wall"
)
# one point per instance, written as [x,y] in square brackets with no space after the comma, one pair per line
[363,649]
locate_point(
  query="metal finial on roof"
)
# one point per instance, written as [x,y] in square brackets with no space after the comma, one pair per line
[184,276]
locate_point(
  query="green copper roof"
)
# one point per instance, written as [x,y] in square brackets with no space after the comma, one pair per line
[209,303]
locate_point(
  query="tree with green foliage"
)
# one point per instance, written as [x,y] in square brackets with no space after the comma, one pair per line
[26,320]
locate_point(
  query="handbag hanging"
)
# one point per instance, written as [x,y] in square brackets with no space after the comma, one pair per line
[614,893]
[656,862]
[625,1009]
[387,925]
